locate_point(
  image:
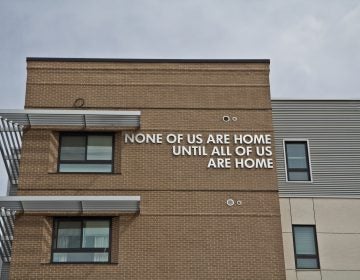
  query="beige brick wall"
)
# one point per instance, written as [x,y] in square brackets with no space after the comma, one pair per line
[148,85]
[184,230]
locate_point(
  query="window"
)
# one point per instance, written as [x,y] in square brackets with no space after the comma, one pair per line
[86,153]
[305,246]
[85,240]
[297,161]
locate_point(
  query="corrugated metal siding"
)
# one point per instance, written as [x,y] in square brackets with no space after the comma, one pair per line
[333,130]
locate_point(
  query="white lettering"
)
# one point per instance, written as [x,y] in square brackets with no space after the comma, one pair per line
[143,138]
[241,151]
[219,163]
[254,163]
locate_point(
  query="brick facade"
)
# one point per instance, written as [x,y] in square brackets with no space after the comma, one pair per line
[185,230]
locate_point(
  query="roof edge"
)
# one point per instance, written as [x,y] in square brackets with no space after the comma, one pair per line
[146,60]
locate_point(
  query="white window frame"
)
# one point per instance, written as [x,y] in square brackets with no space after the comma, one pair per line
[308,154]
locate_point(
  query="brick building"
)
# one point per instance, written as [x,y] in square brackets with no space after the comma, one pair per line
[177,169]
[143,169]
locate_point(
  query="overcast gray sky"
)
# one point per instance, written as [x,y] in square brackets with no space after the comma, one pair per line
[314,46]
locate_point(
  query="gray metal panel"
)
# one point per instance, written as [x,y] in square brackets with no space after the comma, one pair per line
[10,204]
[16,117]
[56,119]
[49,205]
[110,206]
[112,121]
[332,128]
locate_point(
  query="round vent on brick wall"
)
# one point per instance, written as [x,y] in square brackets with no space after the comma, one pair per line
[226,118]
[230,202]
[79,102]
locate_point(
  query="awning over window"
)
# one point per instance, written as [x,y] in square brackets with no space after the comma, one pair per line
[13,121]
[71,204]
[84,118]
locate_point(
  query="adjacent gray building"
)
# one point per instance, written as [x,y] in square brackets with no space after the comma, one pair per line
[318,165]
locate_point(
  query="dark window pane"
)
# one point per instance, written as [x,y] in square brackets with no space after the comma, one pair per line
[73,148]
[84,167]
[99,147]
[304,240]
[306,263]
[296,155]
[297,161]
[306,254]
[86,153]
[96,234]
[81,257]
[298,176]
[69,234]
[81,240]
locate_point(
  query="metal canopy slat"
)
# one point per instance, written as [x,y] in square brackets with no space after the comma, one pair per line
[98,204]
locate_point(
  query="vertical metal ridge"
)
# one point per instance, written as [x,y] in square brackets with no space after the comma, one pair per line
[7,218]
[10,149]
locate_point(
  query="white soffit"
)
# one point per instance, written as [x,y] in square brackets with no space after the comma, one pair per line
[83,118]
[96,204]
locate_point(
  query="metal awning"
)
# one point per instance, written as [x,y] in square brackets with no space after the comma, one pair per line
[71,204]
[83,118]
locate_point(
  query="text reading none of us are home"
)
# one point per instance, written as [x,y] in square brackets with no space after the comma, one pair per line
[222,149]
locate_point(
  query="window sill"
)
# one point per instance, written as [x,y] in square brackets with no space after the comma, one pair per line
[300,182]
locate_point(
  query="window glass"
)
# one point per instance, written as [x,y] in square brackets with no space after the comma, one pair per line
[296,154]
[298,176]
[81,240]
[306,263]
[304,240]
[99,147]
[73,148]
[69,234]
[96,234]
[306,255]
[83,167]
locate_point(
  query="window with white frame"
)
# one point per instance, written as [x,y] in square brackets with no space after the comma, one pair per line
[297,161]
